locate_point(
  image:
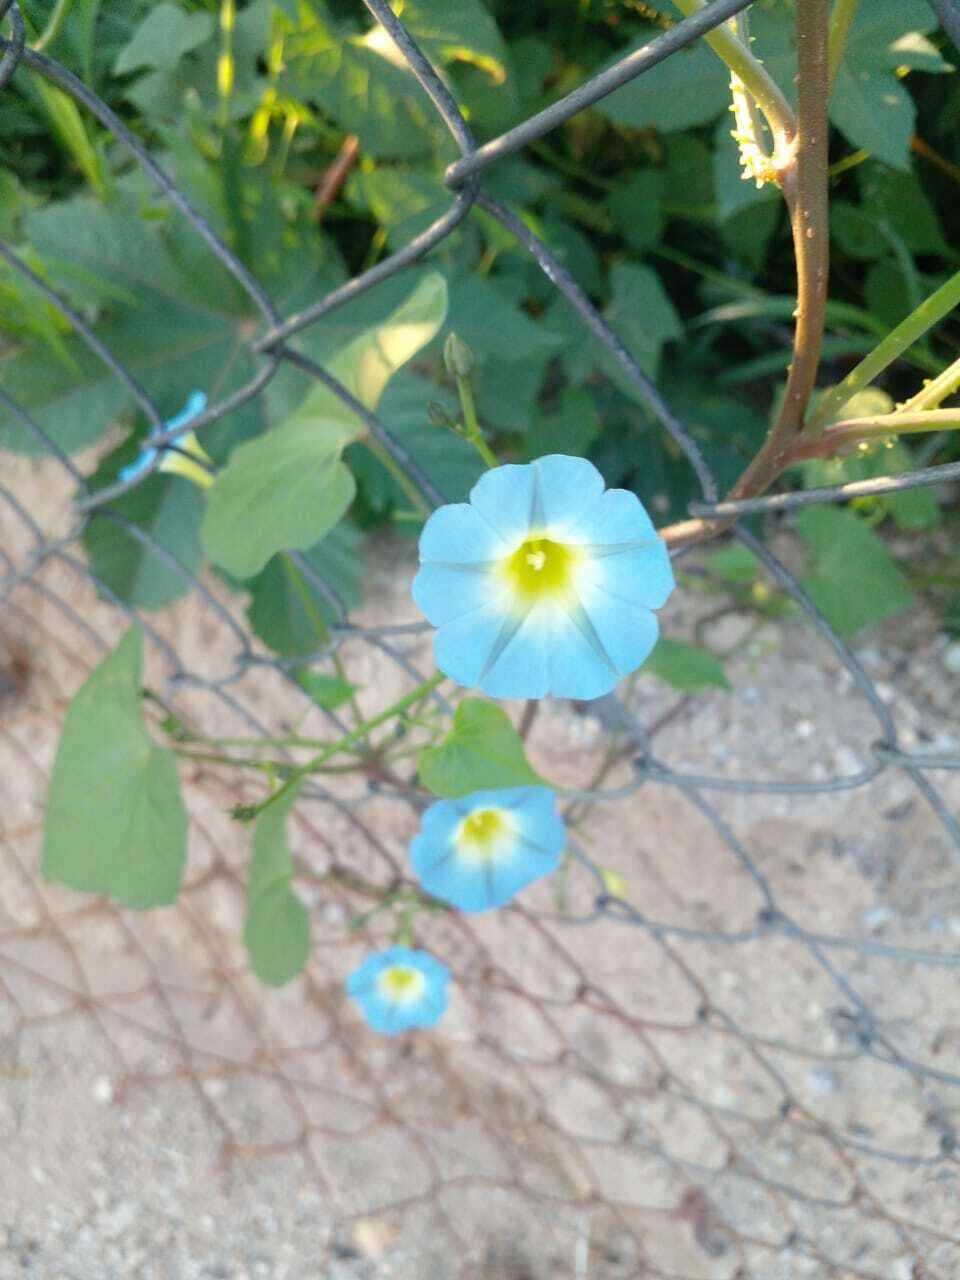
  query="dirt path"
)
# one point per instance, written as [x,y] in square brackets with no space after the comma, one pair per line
[694,1087]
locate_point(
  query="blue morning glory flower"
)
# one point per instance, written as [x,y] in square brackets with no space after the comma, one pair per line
[399,989]
[543,583]
[479,851]
[176,459]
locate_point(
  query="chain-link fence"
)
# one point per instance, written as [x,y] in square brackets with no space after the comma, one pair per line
[747,1065]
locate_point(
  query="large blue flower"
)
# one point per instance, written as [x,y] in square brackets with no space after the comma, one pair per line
[399,989]
[543,583]
[479,851]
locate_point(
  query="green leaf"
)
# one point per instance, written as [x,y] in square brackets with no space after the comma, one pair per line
[685,666]
[689,88]
[571,428]
[328,692]
[457,31]
[277,929]
[855,581]
[175,329]
[162,39]
[898,200]
[491,325]
[165,508]
[637,208]
[285,490]
[483,751]
[292,622]
[363,83]
[280,492]
[910,508]
[69,126]
[855,231]
[368,363]
[115,819]
[448,460]
[403,203]
[869,103]
[642,314]
[734,563]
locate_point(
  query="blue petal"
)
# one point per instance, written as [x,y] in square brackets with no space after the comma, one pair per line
[569,488]
[619,516]
[136,468]
[449,878]
[627,635]
[463,648]
[541,822]
[441,819]
[457,534]
[505,498]
[445,592]
[580,666]
[194,406]
[641,578]
[517,663]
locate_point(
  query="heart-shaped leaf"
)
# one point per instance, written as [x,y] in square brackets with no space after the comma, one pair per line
[115,819]
[482,752]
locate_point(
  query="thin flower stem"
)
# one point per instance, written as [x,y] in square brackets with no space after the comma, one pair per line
[934,392]
[845,435]
[398,474]
[756,79]
[841,20]
[270,767]
[472,424]
[897,341]
[300,772]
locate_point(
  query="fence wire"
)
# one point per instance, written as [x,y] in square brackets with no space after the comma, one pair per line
[742,1067]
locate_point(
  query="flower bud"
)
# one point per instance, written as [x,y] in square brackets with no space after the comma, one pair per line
[457,356]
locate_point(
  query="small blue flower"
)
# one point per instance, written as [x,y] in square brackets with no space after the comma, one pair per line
[399,989]
[543,583]
[479,851]
[173,460]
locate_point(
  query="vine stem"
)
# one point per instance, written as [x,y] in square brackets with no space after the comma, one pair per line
[296,775]
[758,82]
[805,190]
[890,348]
[862,430]
[802,159]
[471,422]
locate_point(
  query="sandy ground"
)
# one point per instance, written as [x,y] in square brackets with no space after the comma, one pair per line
[752,1072]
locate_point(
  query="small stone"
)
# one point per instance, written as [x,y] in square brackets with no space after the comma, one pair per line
[102,1091]
[821,1083]
[951,658]
[875,919]
[804,729]
[373,1236]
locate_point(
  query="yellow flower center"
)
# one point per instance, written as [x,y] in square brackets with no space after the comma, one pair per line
[541,569]
[401,983]
[480,834]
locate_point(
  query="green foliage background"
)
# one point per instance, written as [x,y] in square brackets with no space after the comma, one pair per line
[640,196]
